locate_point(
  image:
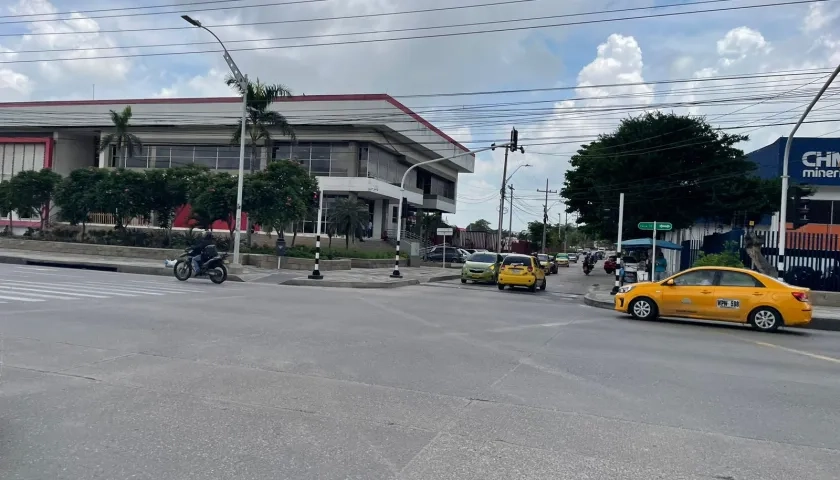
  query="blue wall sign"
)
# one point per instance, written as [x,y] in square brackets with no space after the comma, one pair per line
[813,161]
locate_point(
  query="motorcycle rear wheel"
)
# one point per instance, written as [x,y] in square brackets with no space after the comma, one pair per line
[183,270]
[218,275]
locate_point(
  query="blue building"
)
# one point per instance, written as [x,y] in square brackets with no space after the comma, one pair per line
[812,161]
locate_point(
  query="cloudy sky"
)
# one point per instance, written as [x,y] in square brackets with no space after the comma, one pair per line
[591,64]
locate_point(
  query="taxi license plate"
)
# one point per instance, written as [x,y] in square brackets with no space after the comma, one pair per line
[515,270]
[476,275]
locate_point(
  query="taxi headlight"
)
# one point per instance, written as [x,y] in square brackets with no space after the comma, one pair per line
[492,267]
[626,288]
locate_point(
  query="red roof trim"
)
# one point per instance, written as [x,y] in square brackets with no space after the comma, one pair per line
[361,97]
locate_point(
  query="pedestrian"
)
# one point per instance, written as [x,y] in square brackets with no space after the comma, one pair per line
[370,229]
[661,265]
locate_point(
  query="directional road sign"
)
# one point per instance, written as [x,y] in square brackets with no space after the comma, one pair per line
[444,232]
[660,226]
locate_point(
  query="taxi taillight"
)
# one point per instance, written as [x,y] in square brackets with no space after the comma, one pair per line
[801,296]
[530,269]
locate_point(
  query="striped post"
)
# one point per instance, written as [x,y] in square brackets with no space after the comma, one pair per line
[396,273]
[316,270]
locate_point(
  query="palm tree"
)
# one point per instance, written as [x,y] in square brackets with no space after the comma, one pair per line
[258,116]
[127,143]
[348,216]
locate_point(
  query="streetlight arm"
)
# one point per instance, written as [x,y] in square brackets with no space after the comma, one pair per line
[237,74]
[396,273]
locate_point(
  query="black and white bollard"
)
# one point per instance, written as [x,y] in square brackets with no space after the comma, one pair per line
[316,271]
[396,272]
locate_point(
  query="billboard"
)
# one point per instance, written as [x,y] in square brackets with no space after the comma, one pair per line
[813,161]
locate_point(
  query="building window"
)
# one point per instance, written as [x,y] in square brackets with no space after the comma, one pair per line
[228,158]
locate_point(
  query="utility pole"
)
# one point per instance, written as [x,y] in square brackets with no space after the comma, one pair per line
[545,211]
[510,216]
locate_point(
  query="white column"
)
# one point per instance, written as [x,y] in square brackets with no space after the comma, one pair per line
[377,217]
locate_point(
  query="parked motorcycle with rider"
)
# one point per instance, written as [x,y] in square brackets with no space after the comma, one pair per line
[201,259]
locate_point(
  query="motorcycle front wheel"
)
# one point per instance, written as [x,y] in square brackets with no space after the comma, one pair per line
[218,275]
[183,270]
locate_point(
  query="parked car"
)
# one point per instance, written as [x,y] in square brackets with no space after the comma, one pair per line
[611,265]
[450,254]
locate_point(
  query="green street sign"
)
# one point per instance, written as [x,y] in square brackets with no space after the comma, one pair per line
[660,226]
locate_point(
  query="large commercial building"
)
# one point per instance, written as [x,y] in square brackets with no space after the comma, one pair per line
[357,145]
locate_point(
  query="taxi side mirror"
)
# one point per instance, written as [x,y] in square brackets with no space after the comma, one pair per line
[670,282]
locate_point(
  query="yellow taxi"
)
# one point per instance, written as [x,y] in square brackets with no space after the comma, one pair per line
[521,271]
[719,293]
[544,261]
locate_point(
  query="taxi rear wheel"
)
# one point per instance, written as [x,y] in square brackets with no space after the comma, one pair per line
[501,287]
[542,285]
[643,309]
[766,319]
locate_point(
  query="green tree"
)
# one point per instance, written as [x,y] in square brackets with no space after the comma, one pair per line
[535,234]
[126,142]
[480,225]
[6,204]
[349,216]
[727,258]
[280,195]
[260,119]
[671,168]
[122,193]
[32,191]
[76,195]
[169,189]
[214,199]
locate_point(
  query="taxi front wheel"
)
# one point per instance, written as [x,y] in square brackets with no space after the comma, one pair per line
[643,309]
[766,319]
[501,287]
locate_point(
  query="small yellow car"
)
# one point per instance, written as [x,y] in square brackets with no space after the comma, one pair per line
[561,260]
[545,262]
[521,271]
[719,293]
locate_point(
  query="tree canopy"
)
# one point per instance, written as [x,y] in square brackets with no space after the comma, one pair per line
[671,168]
[480,225]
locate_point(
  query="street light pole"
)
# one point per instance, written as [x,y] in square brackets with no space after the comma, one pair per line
[780,265]
[242,80]
[396,272]
[510,214]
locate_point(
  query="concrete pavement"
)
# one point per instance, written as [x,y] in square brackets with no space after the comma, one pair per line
[259,381]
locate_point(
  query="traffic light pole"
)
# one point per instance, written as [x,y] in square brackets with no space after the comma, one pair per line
[619,256]
[396,272]
[780,265]
[545,212]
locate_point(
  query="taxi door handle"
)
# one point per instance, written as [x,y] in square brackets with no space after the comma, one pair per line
[705,291]
[758,294]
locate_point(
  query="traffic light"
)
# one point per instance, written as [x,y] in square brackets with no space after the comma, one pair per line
[316,197]
[799,205]
[514,140]
[404,207]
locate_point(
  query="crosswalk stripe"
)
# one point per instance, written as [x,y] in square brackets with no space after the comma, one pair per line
[174,289]
[5,286]
[39,295]
[20,299]
[71,288]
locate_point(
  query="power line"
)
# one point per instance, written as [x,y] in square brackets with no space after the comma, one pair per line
[342,34]
[416,37]
[121,9]
[273,4]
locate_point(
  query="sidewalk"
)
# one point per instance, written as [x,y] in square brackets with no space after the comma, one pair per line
[112,264]
[376,277]
[824,318]
[359,278]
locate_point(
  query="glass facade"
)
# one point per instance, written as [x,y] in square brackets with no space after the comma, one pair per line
[213,157]
[375,162]
[328,159]
[432,184]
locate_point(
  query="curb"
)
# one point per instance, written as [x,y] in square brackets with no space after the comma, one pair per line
[824,324]
[100,266]
[443,278]
[306,282]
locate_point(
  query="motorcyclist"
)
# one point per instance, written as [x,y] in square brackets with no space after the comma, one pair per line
[196,250]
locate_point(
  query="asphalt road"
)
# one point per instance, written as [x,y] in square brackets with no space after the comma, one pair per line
[150,378]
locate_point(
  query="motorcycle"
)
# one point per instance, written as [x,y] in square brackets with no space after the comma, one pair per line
[587,268]
[214,268]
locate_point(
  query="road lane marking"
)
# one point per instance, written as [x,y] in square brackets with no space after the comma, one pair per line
[798,352]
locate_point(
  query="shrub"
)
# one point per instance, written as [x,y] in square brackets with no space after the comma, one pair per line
[725,259]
